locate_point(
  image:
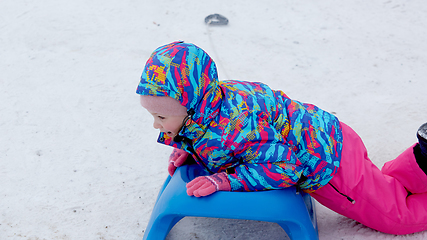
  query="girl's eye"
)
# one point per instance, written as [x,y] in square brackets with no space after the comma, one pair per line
[161,117]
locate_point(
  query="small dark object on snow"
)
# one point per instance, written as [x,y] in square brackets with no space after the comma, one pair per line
[216,19]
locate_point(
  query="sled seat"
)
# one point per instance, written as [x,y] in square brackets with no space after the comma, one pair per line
[293,210]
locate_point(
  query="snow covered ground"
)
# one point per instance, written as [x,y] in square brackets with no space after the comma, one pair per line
[78,157]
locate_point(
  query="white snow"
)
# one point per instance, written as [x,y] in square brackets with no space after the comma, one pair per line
[78,155]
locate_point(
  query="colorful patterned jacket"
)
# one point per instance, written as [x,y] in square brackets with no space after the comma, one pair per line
[264,139]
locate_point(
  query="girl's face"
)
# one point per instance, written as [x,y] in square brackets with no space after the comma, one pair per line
[168,124]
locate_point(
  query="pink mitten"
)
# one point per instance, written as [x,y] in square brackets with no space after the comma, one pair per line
[206,185]
[176,159]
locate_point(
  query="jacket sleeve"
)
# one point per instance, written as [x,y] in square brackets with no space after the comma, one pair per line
[267,162]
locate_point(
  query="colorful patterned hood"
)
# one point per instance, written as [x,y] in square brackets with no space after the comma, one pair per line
[184,72]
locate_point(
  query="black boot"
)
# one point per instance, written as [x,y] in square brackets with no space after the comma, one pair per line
[422,138]
[420,150]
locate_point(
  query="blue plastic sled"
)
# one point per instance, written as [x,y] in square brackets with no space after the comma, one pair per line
[294,211]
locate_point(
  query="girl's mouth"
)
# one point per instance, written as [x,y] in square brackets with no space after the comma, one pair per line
[170,134]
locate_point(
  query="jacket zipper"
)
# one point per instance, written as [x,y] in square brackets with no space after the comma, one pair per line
[179,138]
[191,149]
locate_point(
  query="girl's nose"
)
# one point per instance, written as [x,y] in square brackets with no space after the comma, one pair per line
[156,125]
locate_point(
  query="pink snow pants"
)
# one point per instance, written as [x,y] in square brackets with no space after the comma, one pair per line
[393,200]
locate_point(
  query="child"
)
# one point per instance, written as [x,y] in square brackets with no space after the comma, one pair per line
[252,138]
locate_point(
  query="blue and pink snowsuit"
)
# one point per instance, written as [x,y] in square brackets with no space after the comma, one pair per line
[265,140]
